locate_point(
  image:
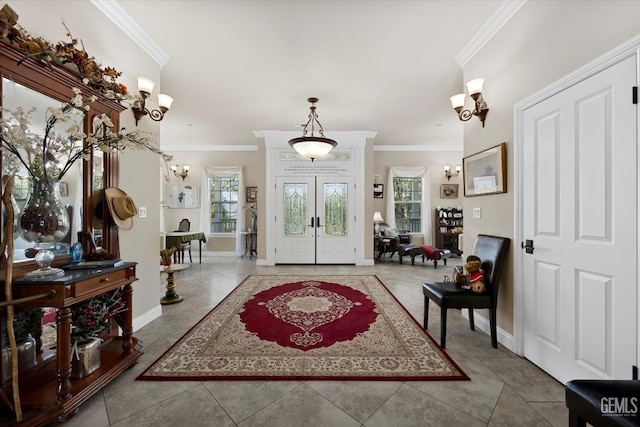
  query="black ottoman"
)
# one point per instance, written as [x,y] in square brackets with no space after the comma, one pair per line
[603,402]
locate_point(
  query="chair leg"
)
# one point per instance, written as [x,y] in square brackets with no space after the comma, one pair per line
[443,326]
[190,259]
[425,321]
[472,323]
[494,332]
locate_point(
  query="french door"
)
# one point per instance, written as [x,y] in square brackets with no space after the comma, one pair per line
[315,220]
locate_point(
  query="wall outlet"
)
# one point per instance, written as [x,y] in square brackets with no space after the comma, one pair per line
[477,212]
[142,212]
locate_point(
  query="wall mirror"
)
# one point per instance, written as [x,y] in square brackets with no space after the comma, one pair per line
[183,196]
[14,96]
[36,84]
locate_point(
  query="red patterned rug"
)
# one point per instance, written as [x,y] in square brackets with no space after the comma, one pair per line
[306,327]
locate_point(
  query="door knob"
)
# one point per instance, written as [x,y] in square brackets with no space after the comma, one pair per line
[527,245]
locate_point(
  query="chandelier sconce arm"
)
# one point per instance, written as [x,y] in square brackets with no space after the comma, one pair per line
[183,174]
[475,91]
[145,87]
[449,174]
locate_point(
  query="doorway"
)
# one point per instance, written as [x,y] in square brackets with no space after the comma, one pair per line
[315,220]
[579,204]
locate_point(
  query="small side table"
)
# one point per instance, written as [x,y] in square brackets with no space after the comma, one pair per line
[250,243]
[171,296]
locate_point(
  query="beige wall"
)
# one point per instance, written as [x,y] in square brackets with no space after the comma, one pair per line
[138,170]
[543,42]
[253,171]
[434,160]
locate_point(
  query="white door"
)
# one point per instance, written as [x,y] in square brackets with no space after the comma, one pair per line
[315,220]
[580,187]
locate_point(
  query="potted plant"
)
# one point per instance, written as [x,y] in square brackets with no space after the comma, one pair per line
[166,255]
[89,320]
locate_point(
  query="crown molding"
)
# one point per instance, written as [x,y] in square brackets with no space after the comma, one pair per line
[112,10]
[204,148]
[440,148]
[496,21]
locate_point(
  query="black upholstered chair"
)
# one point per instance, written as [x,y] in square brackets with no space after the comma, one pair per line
[491,250]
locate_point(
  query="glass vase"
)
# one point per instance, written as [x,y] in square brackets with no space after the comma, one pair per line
[44,221]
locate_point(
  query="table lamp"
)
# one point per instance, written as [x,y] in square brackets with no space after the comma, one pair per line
[377,219]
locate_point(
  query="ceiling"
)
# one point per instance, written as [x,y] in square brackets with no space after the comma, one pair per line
[235,67]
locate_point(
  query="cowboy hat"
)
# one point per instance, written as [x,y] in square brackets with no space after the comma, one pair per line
[121,207]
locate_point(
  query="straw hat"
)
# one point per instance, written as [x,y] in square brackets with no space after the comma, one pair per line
[121,207]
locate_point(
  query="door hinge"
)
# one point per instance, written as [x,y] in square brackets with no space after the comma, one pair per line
[635,94]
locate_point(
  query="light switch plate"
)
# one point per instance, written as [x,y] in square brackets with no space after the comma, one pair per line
[142,212]
[477,212]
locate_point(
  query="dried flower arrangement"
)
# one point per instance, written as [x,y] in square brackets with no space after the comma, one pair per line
[93,318]
[167,253]
[71,55]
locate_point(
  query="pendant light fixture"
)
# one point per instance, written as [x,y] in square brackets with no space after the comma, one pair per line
[311,146]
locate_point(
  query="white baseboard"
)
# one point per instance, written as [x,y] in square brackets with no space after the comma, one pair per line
[482,323]
[143,320]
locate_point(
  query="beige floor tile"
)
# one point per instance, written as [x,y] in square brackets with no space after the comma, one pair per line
[360,399]
[411,407]
[522,388]
[242,399]
[301,407]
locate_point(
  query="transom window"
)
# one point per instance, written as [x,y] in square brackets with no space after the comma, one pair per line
[408,204]
[223,204]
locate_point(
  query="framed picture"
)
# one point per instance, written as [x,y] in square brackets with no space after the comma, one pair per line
[252,194]
[449,191]
[485,172]
[378,191]
[64,189]
[183,196]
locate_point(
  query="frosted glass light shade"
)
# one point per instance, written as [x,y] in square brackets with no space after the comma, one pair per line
[145,85]
[457,101]
[164,101]
[475,86]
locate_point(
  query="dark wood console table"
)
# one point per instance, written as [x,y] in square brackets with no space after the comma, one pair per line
[47,391]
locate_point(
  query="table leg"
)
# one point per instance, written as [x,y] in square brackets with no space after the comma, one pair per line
[171,297]
[200,250]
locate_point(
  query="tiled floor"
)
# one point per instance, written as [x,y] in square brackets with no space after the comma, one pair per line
[504,390]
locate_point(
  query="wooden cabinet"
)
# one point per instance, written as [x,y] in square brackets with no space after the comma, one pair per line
[449,224]
[47,391]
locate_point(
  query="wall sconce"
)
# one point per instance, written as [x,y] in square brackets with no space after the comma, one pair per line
[475,92]
[183,174]
[449,174]
[145,87]
[377,219]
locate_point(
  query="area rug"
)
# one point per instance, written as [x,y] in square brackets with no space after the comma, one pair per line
[306,327]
